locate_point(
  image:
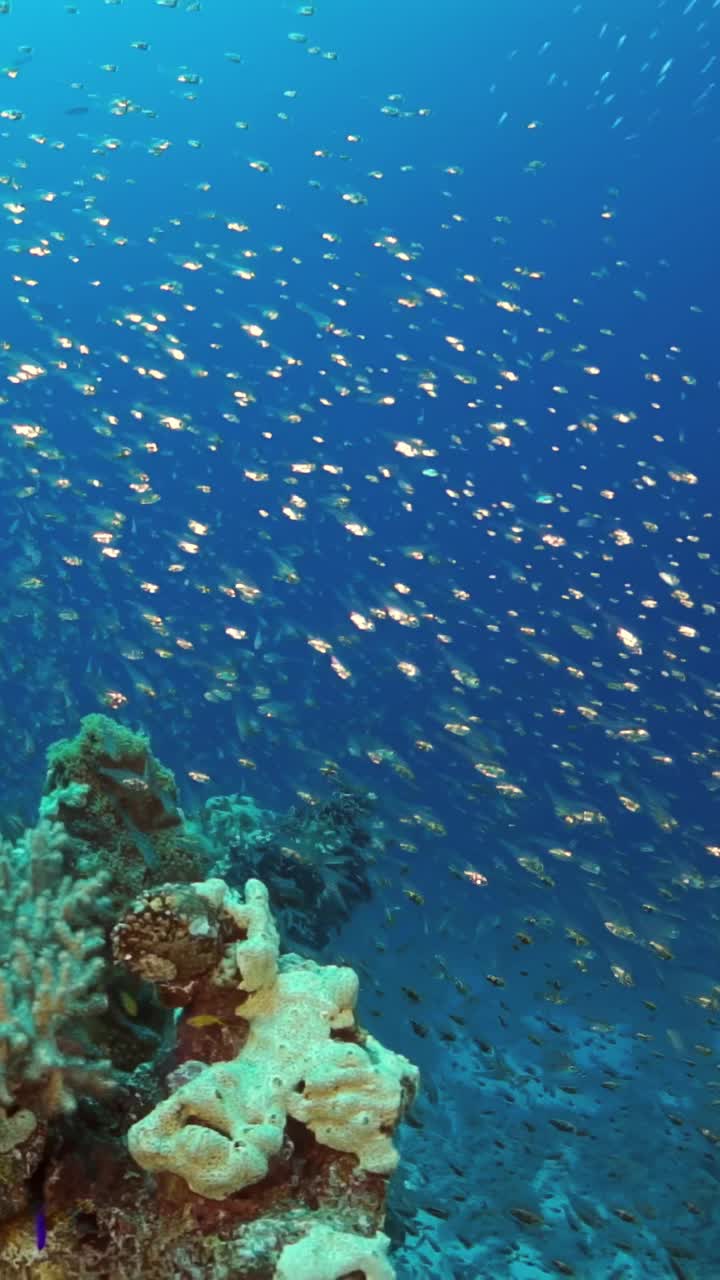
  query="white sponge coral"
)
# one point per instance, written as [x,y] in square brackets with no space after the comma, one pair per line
[325,1254]
[303,1057]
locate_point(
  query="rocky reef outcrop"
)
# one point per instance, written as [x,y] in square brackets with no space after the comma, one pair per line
[178,1097]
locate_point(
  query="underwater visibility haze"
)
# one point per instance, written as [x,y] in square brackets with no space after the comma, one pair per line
[360,860]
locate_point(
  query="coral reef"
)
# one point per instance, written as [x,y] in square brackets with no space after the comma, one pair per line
[177,1097]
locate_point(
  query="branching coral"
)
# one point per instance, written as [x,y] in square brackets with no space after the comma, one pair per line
[50,975]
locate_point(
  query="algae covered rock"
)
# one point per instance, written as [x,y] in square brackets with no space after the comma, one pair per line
[315,859]
[110,793]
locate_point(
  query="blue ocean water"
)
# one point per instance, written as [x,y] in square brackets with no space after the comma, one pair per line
[359,417]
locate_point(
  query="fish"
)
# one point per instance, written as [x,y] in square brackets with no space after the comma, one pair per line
[359,446]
